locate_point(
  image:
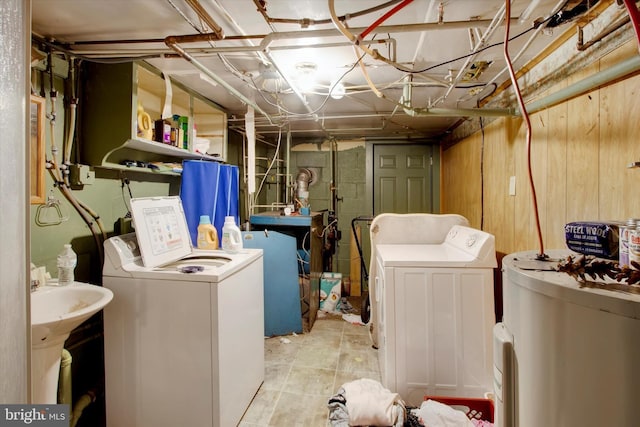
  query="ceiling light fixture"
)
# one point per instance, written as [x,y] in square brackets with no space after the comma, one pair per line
[306,76]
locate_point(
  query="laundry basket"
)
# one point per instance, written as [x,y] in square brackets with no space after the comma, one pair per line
[474,408]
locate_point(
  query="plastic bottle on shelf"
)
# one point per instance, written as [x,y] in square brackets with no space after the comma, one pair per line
[231,236]
[67,261]
[207,234]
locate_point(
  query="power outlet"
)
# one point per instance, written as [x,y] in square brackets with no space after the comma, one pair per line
[512,185]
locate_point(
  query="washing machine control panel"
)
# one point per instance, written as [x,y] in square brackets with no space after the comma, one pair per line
[121,250]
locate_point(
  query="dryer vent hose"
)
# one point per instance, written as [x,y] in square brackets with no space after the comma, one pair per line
[303,179]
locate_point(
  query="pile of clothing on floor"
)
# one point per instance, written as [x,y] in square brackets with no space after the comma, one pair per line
[432,413]
[366,402]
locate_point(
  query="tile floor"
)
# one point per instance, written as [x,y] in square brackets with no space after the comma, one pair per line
[301,376]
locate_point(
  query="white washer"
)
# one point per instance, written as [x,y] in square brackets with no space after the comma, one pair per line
[436,315]
[180,348]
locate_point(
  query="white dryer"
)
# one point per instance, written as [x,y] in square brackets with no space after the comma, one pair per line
[436,315]
[184,335]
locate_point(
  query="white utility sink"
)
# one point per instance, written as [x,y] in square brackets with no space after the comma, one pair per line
[55,312]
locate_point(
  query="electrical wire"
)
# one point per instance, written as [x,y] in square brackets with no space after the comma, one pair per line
[525,115]
[431,67]
[482,152]
[324,101]
[125,182]
[383,18]
[356,41]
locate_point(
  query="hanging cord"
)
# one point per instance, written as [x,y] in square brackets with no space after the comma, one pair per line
[634,14]
[482,175]
[525,115]
[124,181]
[478,102]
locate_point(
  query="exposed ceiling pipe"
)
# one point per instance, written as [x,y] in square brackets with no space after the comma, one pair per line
[306,22]
[288,81]
[350,35]
[529,41]
[222,11]
[171,42]
[266,57]
[495,23]
[582,46]
[420,44]
[268,39]
[611,74]
[208,51]
[202,14]
[448,112]
[383,18]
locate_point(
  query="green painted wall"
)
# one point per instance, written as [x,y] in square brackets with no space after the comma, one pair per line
[109,199]
[350,189]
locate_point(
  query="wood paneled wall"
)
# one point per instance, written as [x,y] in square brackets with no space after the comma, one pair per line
[579,155]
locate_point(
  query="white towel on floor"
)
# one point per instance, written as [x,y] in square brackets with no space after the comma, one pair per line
[435,414]
[370,404]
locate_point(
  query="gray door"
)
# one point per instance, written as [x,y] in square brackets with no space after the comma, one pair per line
[405,178]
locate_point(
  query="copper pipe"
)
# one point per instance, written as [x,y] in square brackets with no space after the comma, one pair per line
[306,22]
[204,15]
[584,46]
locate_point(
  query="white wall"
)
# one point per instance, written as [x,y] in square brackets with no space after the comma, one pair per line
[15,30]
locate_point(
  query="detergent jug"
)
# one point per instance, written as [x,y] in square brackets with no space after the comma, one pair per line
[231,236]
[207,234]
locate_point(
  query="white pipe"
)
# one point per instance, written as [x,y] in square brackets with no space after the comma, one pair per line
[485,37]
[251,149]
[586,85]
[173,45]
[526,46]
[291,84]
[227,17]
[533,4]
[204,16]
[288,168]
[448,112]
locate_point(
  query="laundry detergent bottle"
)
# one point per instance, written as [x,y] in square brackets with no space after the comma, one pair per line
[207,234]
[231,236]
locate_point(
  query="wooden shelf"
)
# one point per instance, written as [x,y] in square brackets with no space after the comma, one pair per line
[109,113]
[155,147]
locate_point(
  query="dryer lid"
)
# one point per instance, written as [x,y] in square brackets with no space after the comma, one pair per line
[161,229]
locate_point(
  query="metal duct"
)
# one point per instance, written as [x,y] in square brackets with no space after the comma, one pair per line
[303,179]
